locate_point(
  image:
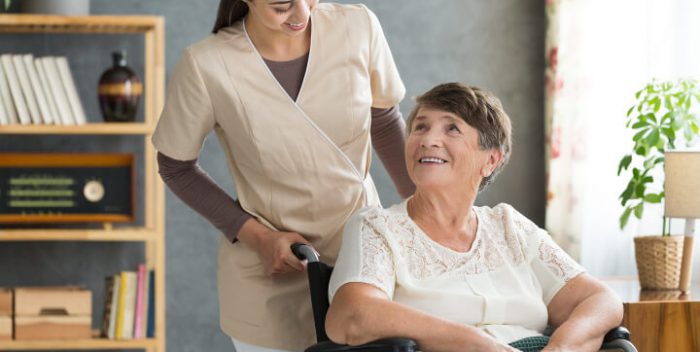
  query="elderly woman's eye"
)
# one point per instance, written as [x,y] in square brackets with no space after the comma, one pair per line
[419,127]
[453,128]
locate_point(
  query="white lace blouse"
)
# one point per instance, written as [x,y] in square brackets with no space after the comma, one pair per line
[502,285]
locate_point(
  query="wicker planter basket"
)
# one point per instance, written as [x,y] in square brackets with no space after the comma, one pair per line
[659,261]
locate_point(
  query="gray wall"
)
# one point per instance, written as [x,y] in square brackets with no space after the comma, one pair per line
[497,45]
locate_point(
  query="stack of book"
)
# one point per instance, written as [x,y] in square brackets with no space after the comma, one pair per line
[39,91]
[129,305]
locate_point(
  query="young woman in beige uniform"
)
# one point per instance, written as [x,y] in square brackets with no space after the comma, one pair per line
[298,92]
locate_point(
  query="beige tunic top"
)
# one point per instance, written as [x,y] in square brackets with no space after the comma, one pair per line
[502,285]
[297,165]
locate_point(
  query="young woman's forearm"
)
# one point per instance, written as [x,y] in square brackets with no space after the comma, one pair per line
[353,319]
[588,323]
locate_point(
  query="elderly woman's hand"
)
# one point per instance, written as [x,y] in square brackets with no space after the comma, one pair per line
[485,342]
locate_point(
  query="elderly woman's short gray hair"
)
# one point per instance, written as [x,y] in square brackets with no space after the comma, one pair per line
[478,108]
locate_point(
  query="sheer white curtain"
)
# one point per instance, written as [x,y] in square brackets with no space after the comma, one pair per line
[599,53]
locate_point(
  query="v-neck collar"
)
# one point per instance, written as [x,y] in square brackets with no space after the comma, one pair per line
[309,62]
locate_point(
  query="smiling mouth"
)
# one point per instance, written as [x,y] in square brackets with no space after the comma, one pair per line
[299,25]
[431,160]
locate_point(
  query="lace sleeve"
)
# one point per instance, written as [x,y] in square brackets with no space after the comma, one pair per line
[552,266]
[364,257]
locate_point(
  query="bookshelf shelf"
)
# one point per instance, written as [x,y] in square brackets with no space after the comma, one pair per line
[97,343]
[24,23]
[152,233]
[130,128]
[121,234]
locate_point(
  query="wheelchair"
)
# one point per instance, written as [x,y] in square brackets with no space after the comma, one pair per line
[617,339]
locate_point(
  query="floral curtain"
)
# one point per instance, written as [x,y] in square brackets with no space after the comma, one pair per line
[565,143]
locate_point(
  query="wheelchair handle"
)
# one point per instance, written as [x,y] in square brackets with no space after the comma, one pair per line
[304,251]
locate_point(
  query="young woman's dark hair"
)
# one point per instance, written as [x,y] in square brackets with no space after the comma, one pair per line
[230,12]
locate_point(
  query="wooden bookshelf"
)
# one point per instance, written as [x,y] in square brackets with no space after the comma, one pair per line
[126,234]
[26,23]
[88,344]
[129,128]
[152,232]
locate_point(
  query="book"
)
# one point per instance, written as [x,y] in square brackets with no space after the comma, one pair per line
[151,326]
[15,90]
[37,89]
[127,305]
[53,110]
[57,90]
[71,91]
[115,307]
[146,304]
[3,115]
[27,91]
[6,98]
[107,311]
[138,316]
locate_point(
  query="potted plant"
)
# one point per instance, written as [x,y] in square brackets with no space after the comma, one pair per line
[664,114]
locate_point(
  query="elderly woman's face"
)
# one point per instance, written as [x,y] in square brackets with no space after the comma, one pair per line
[443,151]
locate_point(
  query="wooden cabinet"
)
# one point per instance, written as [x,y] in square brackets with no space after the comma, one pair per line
[660,320]
[152,232]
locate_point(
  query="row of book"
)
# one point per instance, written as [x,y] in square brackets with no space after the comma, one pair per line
[129,311]
[39,91]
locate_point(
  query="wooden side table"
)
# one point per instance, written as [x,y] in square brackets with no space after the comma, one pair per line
[659,320]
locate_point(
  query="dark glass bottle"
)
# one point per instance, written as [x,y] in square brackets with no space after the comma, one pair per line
[119,91]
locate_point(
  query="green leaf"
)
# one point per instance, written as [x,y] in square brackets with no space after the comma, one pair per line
[652,198]
[651,117]
[653,137]
[667,117]
[642,150]
[660,145]
[640,124]
[624,164]
[677,124]
[688,133]
[667,102]
[669,133]
[629,112]
[625,196]
[656,103]
[625,217]
[694,127]
[639,210]
[639,190]
[639,135]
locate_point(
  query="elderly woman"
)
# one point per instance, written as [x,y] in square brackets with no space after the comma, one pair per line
[453,276]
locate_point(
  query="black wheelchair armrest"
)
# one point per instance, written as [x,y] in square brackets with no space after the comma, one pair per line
[618,339]
[619,332]
[383,345]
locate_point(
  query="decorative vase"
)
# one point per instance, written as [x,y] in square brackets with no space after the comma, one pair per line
[119,91]
[659,261]
[55,7]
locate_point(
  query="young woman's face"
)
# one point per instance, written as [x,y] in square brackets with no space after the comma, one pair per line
[287,16]
[442,151]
